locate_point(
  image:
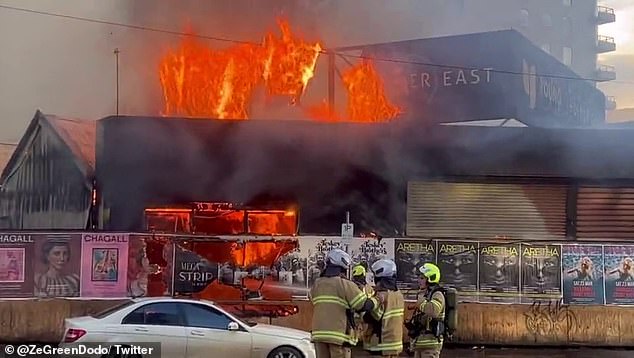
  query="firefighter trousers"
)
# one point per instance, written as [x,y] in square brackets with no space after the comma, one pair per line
[427,353]
[326,350]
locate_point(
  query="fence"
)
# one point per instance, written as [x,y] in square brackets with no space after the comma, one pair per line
[118,265]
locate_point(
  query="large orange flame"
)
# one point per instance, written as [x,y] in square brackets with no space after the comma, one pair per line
[199,81]
[367,101]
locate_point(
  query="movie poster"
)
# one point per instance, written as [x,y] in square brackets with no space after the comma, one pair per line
[582,268]
[541,272]
[499,272]
[458,263]
[366,251]
[410,255]
[104,265]
[193,273]
[619,274]
[314,249]
[16,264]
[57,265]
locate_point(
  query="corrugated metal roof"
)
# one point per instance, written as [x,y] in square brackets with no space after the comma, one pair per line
[79,135]
[6,150]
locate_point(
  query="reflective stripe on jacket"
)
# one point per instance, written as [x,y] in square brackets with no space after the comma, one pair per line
[389,309]
[331,298]
[434,308]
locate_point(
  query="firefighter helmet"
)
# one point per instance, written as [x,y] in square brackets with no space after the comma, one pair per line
[338,257]
[358,270]
[431,272]
[384,268]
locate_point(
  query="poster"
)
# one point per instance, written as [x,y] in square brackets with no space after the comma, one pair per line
[289,273]
[582,268]
[139,267]
[541,272]
[314,249]
[410,255]
[366,251]
[619,274]
[57,265]
[104,265]
[499,266]
[16,264]
[458,263]
[193,273]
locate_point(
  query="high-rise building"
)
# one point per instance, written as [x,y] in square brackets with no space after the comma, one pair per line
[567,29]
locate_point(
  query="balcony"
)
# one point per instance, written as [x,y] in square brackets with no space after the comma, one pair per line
[610,103]
[605,15]
[605,44]
[606,73]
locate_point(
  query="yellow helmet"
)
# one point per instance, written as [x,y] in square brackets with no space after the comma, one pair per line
[358,270]
[431,272]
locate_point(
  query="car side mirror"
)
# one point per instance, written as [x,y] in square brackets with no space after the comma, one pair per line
[233,326]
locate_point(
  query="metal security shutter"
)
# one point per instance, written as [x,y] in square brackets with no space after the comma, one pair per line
[605,213]
[475,210]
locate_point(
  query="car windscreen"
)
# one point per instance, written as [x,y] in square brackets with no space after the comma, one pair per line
[111,310]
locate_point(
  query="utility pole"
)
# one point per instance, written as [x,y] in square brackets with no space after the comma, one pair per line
[116,54]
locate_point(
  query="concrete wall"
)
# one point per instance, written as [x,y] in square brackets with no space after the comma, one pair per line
[481,324]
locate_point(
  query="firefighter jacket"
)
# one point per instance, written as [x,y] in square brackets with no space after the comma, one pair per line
[386,335]
[431,308]
[335,299]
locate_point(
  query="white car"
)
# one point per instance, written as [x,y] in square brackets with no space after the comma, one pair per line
[189,329]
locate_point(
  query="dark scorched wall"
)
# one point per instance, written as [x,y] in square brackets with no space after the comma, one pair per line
[331,168]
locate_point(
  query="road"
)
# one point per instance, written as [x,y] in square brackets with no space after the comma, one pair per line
[526,353]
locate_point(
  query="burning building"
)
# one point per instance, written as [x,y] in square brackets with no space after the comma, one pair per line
[530,182]
[482,76]
[384,159]
[526,179]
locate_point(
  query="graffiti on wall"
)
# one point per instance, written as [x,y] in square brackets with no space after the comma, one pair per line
[550,319]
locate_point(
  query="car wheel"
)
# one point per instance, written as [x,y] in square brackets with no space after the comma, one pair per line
[285,352]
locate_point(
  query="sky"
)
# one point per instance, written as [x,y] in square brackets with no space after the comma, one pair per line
[68,68]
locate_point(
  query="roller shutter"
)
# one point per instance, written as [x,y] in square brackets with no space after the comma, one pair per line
[605,213]
[484,211]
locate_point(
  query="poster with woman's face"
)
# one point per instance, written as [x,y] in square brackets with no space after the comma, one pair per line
[57,265]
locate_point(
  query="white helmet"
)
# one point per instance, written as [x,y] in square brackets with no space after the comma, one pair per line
[338,257]
[384,268]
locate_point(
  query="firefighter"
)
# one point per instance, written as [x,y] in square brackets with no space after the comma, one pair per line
[335,300]
[385,321]
[427,326]
[360,278]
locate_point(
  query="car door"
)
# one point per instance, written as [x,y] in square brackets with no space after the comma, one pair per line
[157,322]
[208,334]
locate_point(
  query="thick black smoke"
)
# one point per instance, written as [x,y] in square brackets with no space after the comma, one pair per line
[327,169]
